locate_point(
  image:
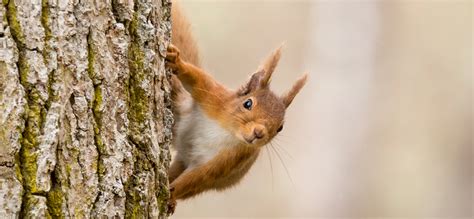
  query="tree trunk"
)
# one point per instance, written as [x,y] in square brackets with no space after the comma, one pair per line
[85,119]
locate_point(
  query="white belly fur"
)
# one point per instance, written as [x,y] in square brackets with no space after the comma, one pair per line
[199,138]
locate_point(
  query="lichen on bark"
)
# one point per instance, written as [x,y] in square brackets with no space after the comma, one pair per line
[85,124]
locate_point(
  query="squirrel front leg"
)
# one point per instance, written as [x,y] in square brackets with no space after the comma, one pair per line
[216,173]
[189,184]
[202,86]
[176,169]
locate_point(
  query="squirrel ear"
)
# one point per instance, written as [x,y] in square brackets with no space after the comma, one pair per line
[269,65]
[261,78]
[252,84]
[290,95]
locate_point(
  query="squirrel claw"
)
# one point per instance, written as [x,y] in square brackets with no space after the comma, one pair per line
[171,206]
[172,54]
[172,57]
[172,48]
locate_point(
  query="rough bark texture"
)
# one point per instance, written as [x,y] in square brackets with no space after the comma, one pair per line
[85,120]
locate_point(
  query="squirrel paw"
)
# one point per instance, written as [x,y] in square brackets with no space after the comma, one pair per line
[171,202]
[171,206]
[172,57]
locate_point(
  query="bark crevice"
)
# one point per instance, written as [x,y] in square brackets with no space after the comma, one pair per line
[55,195]
[138,104]
[32,119]
[96,112]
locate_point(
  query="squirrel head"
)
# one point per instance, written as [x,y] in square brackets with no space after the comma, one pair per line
[258,113]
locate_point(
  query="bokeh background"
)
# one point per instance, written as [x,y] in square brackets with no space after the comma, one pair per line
[383,128]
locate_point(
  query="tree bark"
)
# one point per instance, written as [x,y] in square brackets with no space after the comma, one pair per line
[85,119]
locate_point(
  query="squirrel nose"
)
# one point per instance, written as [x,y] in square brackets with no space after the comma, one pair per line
[258,133]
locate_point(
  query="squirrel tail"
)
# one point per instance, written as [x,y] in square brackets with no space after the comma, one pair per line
[181,35]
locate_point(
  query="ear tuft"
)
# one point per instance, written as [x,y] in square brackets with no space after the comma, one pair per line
[288,97]
[261,78]
[269,65]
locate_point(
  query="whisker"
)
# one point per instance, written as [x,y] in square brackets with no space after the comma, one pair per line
[242,120]
[283,163]
[286,138]
[271,166]
[278,146]
[238,117]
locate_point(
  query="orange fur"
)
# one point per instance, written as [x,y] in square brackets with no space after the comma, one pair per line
[217,137]
[182,37]
[224,170]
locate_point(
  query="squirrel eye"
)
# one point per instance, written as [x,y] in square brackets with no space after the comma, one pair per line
[248,104]
[279,129]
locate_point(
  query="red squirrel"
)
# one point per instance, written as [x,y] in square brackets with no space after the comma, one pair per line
[218,132]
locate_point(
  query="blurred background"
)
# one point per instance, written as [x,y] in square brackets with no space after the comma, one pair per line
[382,129]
